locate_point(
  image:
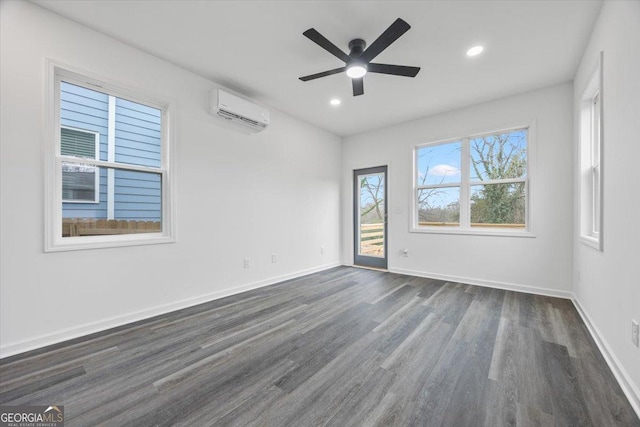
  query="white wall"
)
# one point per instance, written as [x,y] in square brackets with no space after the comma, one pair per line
[238,196]
[541,264]
[607,284]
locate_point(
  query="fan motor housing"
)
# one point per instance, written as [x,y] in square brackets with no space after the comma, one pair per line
[356,47]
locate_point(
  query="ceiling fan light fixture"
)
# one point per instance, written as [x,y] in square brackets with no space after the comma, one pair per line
[356,71]
[358,62]
[476,50]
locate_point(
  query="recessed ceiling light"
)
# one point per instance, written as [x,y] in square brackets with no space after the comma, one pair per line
[476,50]
[335,101]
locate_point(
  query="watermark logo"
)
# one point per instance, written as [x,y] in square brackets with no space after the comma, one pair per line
[32,416]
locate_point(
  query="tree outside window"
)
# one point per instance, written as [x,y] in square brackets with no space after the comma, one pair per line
[474,182]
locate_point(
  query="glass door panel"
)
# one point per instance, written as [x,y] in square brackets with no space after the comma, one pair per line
[370,217]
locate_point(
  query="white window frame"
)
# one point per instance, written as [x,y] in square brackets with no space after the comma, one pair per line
[591,174]
[96,198]
[465,187]
[57,72]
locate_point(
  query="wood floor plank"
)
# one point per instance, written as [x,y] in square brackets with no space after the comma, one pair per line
[434,396]
[399,328]
[46,382]
[364,399]
[502,406]
[414,369]
[531,384]
[469,400]
[239,399]
[359,360]
[450,301]
[528,416]
[342,347]
[568,402]
[604,408]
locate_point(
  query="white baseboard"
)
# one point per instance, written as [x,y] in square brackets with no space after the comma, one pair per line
[629,388]
[102,325]
[486,283]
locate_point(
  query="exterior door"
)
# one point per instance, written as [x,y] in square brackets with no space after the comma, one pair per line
[370,217]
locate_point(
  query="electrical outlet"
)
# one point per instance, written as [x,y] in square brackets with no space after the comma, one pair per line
[274,258]
[635,331]
[246,263]
[321,250]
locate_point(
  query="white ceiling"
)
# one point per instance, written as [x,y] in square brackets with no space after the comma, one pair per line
[257,48]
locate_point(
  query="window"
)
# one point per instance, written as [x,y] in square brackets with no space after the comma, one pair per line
[108,166]
[591,132]
[476,184]
[80,184]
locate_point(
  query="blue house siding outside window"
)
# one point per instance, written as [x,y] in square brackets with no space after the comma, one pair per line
[88,110]
[123,194]
[137,142]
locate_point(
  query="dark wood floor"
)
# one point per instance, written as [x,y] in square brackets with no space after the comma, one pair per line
[342,347]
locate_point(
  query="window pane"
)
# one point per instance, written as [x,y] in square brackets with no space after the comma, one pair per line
[595,137]
[137,127]
[133,205]
[499,156]
[439,164]
[79,182]
[84,109]
[439,206]
[138,134]
[498,205]
[372,215]
[595,176]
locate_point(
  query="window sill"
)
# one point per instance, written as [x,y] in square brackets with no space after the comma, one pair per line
[592,242]
[99,242]
[473,232]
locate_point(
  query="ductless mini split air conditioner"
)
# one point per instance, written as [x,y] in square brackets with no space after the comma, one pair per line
[239,111]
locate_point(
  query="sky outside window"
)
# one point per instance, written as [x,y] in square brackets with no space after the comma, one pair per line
[439,164]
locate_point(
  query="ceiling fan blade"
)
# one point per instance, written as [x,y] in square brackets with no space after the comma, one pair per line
[322,41]
[390,35]
[323,74]
[396,70]
[358,86]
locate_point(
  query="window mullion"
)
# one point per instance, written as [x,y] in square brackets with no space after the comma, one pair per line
[465,203]
[111,157]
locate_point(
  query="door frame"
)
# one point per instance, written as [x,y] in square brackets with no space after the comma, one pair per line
[364,260]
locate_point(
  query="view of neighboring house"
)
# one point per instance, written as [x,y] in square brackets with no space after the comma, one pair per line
[101,127]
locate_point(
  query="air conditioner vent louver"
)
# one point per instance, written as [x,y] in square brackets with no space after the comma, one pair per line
[239,111]
[232,116]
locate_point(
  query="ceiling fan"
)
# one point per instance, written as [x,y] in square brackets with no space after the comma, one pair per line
[358,61]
